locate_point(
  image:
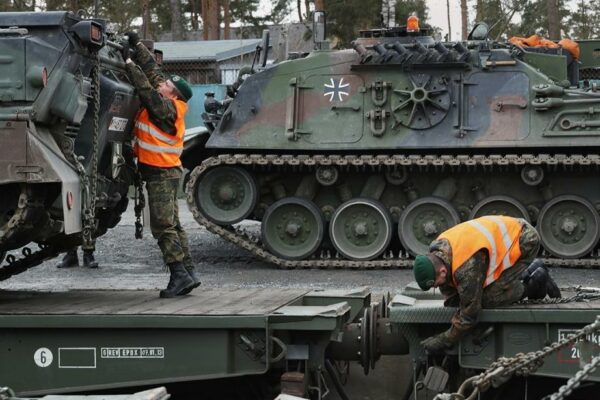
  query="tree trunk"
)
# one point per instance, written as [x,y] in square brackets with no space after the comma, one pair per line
[299,6]
[194,12]
[307,6]
[319,5]
[176,20]
[227,20]
[449,26]
[553,19]
[464,13]
[211,19]
[204,12]
[145,19]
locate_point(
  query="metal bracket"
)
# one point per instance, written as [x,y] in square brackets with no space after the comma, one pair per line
[291,123]
[462,116]
[435,379]
[252,344]
[500,105]
[379,92]
[377,118]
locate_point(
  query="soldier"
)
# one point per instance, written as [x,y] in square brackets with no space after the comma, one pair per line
[485,262]
[159,130]
[71,260]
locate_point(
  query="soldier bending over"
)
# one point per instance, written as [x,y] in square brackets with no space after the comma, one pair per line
[482,263]
[159,130]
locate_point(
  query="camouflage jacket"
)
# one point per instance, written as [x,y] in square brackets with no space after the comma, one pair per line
[467,295]
[146,76]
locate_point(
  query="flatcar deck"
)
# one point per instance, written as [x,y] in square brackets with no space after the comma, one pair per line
[200,302]
[57,342]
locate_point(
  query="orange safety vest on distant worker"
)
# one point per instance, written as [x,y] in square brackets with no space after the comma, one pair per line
[499,235]
[156,147]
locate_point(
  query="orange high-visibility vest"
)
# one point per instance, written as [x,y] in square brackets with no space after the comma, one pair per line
[156,147]
[499,235]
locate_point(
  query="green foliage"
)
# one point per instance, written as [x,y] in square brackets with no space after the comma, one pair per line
[534,18]
[346,17]
[405,8]
[584,22]
[17,5]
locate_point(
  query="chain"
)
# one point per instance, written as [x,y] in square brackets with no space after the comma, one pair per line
[524,364]
[89,205]
[140,203]
[30,259]
[580,295]
[253,244]
[29,207]
[574,382]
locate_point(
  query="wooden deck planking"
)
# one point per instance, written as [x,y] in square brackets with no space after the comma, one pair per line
[204,302]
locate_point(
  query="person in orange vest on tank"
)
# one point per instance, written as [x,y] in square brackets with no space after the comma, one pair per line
[159,130]
[483,263]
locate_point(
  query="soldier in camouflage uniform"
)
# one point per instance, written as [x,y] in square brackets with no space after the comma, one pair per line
[159,141]
[464,286]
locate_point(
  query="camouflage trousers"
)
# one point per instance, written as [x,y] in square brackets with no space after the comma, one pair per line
[162,185]
[508,288]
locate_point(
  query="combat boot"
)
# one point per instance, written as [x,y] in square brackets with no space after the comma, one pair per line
[191,271]
[536,283]
[534,280]
[179,281]
[70,259]
[88,259]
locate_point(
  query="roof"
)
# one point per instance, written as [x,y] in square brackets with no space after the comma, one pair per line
[206,50]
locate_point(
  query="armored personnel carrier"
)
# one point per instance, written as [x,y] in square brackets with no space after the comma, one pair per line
[361,157]
[66,111]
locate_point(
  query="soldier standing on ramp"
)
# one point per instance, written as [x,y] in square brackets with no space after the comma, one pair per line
[485,262]
[159,130]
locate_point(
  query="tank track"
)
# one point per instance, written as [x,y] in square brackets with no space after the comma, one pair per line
[252,243]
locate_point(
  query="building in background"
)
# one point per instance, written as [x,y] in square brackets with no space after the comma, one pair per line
[207,61]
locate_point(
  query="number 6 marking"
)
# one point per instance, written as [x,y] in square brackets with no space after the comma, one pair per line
[43,357]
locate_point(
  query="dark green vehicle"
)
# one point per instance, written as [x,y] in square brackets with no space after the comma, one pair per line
[66,112]
[360,158]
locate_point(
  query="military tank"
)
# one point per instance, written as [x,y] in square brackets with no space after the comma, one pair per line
[66,113]
[361,157]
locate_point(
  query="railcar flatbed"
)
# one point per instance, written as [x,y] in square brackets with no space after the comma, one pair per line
[57,342]
[85,341]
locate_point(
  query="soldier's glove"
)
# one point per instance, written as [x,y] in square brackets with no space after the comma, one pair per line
[125,50]
[133,40]
[437,344]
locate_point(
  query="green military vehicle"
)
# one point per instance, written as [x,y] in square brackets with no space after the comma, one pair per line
[66,113]
[360,158]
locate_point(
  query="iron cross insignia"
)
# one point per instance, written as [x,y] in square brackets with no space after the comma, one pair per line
[336,89]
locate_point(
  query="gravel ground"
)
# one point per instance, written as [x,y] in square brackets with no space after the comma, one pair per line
[127,263]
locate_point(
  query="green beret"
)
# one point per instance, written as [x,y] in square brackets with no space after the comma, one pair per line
[424,272]
[184,88]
